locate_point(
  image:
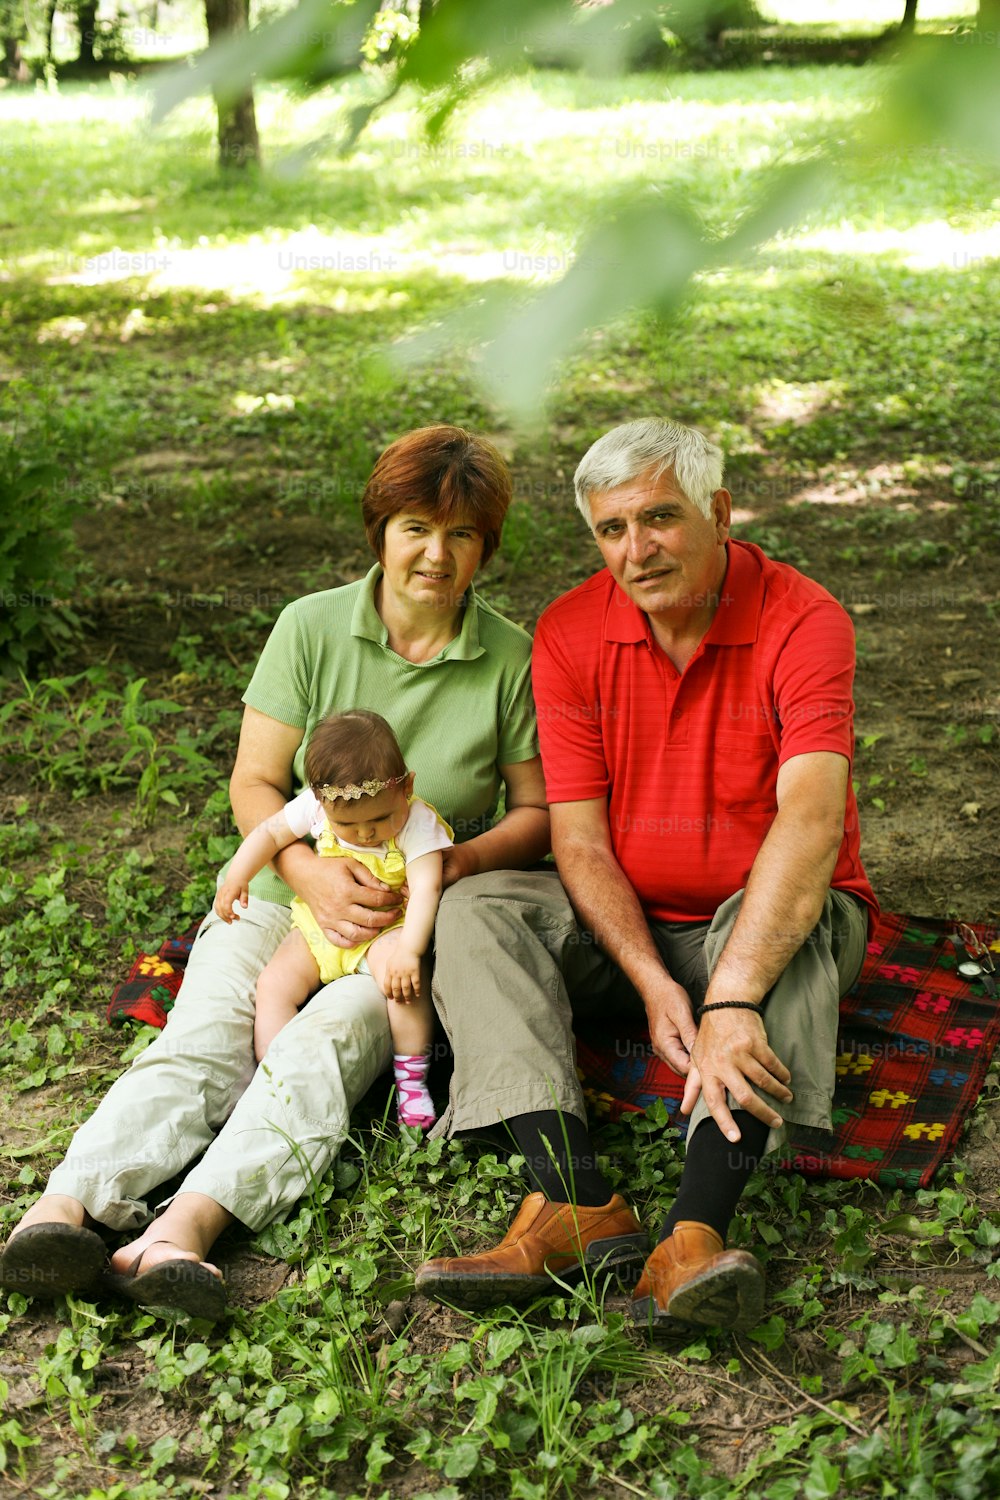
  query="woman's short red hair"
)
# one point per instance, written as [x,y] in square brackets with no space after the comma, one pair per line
[452,474]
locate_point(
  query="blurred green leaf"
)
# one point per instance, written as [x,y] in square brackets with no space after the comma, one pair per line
[947,90]
[647,256]
[511,34]
[914,1228]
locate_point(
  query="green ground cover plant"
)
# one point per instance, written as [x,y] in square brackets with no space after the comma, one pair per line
[202,366]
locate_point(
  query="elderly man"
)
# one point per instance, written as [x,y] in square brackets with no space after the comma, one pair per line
[695,712]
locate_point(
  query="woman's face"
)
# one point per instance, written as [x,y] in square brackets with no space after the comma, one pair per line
[428,563]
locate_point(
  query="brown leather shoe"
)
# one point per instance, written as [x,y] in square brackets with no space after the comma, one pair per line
[544,1237]
[693,1278]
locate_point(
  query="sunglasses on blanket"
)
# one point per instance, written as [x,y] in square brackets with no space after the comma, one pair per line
[978,963]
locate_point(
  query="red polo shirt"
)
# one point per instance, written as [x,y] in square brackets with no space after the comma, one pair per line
[689,760]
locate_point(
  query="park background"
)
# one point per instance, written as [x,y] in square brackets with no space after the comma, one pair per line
[199,362]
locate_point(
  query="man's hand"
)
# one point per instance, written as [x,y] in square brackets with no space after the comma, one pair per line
[671,1027]
[350,904]
[731,1052]
[402,974]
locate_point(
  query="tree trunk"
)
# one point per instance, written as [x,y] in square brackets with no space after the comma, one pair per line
[15,69]
[239,146]
[909,21]
[50,21]
[86,19]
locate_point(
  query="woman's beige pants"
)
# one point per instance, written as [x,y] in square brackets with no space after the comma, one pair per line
[277,1127]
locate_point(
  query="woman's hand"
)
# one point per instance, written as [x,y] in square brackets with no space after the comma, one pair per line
[350,904]
[458,862]
[519,840]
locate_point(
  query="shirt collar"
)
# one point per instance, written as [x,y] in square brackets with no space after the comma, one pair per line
[625,621]
[735,621]
[737,618]
[367,623]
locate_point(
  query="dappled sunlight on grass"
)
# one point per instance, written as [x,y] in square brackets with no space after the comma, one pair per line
[134,249]
[518,178]
[782,401]
[68,330]
[931,245]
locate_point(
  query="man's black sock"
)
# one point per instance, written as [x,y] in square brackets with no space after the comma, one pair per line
[568,1172]
[715,1173]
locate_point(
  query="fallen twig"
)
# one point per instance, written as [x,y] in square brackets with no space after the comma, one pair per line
[812,1401]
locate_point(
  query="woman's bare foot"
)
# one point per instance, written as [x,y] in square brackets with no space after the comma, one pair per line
[166,1266]
[186,1230]
[54,1208]
[154,1250]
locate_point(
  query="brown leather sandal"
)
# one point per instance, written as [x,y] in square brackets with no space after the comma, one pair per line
[183,1285]
[48,1260]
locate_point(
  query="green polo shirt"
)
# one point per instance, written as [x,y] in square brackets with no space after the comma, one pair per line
[457,717]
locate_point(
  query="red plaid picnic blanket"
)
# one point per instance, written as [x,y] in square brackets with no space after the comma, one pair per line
[147,994]
[914,1045]
[915,1042]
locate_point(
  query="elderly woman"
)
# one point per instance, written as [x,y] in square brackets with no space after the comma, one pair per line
[413,641]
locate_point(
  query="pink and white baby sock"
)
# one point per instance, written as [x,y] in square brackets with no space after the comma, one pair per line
[414,1105]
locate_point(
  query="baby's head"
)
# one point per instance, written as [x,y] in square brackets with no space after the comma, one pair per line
[356,768]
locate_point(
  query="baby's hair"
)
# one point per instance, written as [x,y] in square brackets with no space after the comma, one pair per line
[352,748]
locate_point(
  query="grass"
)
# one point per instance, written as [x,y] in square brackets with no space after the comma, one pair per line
[212,408]
[430,229]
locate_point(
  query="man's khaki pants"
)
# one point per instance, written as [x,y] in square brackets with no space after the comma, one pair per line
[509,1017]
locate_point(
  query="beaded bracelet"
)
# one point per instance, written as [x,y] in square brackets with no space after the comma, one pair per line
[730,1005]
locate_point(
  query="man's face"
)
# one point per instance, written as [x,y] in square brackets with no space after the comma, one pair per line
[661,551]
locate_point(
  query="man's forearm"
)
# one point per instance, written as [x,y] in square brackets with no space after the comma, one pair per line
[607,904]
[608,907]
[782,903]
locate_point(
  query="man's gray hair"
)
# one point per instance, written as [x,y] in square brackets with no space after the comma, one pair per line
[624,453]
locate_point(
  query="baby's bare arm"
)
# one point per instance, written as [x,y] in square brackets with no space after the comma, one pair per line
[394,958]
[256,851]
[423,876]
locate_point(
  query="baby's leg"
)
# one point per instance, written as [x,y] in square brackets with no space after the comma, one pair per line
[283,988]
[412,1028]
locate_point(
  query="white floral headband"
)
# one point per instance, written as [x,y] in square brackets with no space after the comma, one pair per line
[353,790]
